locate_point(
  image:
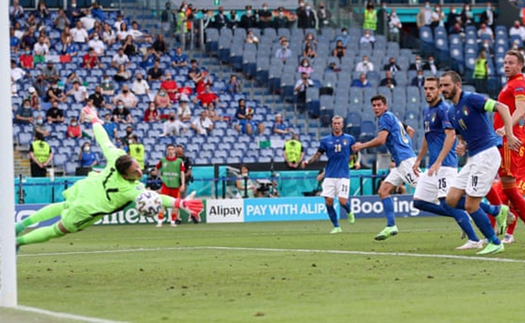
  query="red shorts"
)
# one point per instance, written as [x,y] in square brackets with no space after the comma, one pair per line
[173,192]
[512,162]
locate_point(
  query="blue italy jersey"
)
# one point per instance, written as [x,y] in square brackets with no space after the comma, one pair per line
[436,121]
[338,149]
[471,121]
[398,141]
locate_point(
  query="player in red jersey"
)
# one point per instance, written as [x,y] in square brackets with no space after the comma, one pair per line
[513,95]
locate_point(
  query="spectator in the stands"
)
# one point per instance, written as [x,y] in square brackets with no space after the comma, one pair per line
[162,99]
[79,92]
[304,66]
[32,22]
[40,127]
[279,126]
[121,114]
[126,97]
[79,33]
[98,98]
[488,16]
[438,17]
[50,72]
[392,66]
[122,32]
[26,59]
[41,85]
[120,58]
[41,48]
[221,20]
[251,38]
[202,125]
[248,20]
[110,126]
[148,60]
[107,86]
[179,59]
[419,79]
[233,86]
[195,74]
[88,22]
[19,32]
[487,47]
[174,126]
[309,39]
[309,52]
[54,93]
[246,124]
[61,20]
[109,36]
[42,10]
[367,38]
[388,81]
[73,129]
[467,17]
[306,18]
[129,46]
[97,45]
[140,85]
[159,45]
[33,97]
[265,17]
[122,74]
[170,86]
[24,113]
[323,15]
[138,35]
[183,110]
[517,29]
[394,25]
[69,48]
[206,97]
[432,65]
[417,65]
[155,73]
[364,66]
[29,38]
[485,31]
[343,37]
[457,29]
[452,17]
[87,157]
[300,89]
[151,114]
[284,52]
[54,114]
[91,60]
[17,73]
[424,16]
[361,82]
[16,11]
[283,19]
[339,50]
[74,13]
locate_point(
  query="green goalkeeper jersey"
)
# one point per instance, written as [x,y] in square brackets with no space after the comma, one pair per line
[105,192]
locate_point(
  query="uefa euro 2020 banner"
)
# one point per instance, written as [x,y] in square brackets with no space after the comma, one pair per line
[258,210]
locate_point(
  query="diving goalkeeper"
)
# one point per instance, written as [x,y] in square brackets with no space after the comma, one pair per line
[88,200]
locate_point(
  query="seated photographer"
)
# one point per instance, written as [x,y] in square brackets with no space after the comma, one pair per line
[245,186]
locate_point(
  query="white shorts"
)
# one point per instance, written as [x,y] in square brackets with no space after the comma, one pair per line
[432,188]
[403,174]
[478,174]
[336,187]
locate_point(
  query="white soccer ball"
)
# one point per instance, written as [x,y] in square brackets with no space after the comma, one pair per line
[148,203]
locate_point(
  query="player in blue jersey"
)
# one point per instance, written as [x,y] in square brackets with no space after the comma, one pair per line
[337,174]
[434,183]
[468,114]
[391,133]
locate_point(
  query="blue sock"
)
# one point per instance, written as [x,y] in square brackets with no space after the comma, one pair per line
[488,208]
[462,220]
[482,222]
[388,208]
[431,207]
[333,215]
[346,206]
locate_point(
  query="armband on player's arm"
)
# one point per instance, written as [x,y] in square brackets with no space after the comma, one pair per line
[490,105]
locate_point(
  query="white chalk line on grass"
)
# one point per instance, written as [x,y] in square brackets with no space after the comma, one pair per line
[345,252]
[64,315]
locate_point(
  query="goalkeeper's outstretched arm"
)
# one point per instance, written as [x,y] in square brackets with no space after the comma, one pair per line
[108,148]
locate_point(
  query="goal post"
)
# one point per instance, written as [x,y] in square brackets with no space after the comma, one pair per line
[8,280]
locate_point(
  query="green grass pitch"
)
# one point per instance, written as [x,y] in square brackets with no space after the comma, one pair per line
[270,272]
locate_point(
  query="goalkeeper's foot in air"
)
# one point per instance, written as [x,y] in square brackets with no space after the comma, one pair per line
[91,115]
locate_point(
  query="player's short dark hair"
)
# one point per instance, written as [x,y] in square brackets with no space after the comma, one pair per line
[454,76]
[170,145]
[517,53]
[432,78]
[380,97]
[123,163]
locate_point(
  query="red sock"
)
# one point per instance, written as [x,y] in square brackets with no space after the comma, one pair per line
[512,226]
[511,191]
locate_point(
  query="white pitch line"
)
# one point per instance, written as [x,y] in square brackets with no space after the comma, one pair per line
[347,252]
[65,315]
